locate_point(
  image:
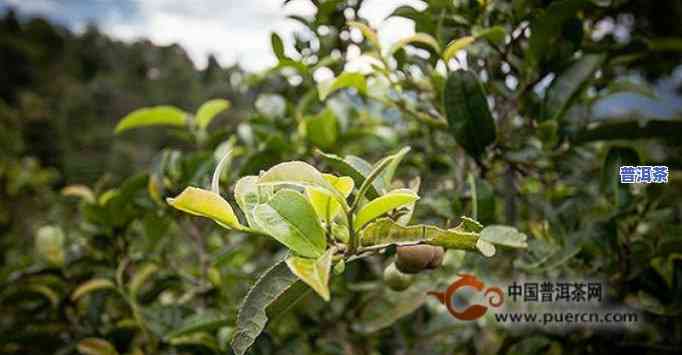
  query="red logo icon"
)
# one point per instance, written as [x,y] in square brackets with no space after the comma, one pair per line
[473,311]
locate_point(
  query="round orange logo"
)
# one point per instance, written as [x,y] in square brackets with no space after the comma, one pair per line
[494,296]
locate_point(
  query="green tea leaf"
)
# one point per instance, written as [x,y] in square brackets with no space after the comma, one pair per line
[357,168]
[386,232]
[91,286]
[215,180]
[610,176]
[199,322]
[49,244]
[209,110]
[322,129]
[152,116]
[564,88]
[200,202]
[457,45]
[314,272]
[96,346]
[277,46]
[629,130]
[493,34]
[547,28]
[344,80]
[141,276]
[467,111]
[249,194]
[421,38]
[302,174]
[383,205]
[504,236]
[368,33]
[326,206]
[252,317]
[290,219]
[405,217]
[80,191]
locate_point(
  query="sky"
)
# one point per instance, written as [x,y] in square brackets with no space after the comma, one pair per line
[239,31]
[232,30]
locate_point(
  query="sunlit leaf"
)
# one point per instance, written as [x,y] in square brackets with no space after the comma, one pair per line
[49,243]
[90,286]
[206,203]
[96,346]
[209,110]
[493,34]
[140,277]
[457,45]
[314,272]
[152,116]
[290,219]
[343,81]
[326,206]
[367,32]
[504,236]
[217,173]
[383,205]
[300,174]
[386,232]
[249,194]
[357,168]
[406,215]
[421,38]
[80,191]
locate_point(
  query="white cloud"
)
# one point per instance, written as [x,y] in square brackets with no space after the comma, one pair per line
[233,30]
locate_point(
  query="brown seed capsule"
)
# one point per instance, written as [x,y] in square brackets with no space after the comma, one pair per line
[437,259]
[415,258]
[396,280]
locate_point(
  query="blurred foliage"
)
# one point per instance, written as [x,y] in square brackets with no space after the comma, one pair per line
[496,99]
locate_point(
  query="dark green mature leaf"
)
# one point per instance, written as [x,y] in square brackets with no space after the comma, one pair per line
[272,285]
[564,89]
[467,111]
[292,220]
[630,130]
[547,28]
[610,177]
[277,46]
[390,307]
[199,322]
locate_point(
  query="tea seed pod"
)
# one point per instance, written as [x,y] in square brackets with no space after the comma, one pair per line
[415,258]
[395,279]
